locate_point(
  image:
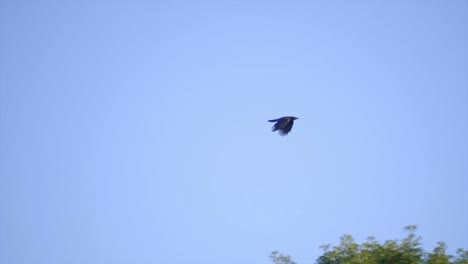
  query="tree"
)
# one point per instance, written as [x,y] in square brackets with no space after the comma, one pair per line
[438,255]
[280,258]
[404,251]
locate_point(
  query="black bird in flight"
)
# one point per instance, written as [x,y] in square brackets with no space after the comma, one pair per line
[283,124]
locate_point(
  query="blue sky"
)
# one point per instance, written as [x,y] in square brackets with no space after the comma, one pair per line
[135,131]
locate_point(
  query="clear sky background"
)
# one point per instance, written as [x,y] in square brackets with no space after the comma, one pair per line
[136,131]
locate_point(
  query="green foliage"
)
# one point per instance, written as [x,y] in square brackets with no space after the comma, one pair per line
[438,256]
[280,258]
[404,251]
[462,257]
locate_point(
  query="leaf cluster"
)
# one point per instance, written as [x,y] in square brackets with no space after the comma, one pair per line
[404,251]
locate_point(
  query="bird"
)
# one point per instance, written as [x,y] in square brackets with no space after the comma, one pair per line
[283,124]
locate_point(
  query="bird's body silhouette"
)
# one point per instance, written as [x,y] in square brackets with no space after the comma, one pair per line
[283,124]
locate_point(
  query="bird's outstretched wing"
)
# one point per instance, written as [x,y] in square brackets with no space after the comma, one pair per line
[287,128]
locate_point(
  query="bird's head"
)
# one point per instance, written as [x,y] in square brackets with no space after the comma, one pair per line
[294,118]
